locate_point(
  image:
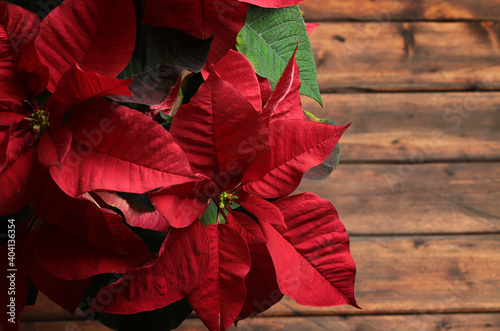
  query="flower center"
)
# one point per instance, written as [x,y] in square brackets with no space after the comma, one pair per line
[39,121]
[224,200]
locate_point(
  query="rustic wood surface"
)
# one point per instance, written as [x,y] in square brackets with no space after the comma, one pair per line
[412,322]
[407,56]
[400,10]
[418,186]
[415,127]
[398,199]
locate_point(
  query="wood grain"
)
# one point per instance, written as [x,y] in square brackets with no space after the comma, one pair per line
[405,56]
[414,199]
[415,127]
[407,10]
[452,322]
[419,274]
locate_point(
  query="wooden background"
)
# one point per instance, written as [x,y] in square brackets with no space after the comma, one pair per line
[418,187]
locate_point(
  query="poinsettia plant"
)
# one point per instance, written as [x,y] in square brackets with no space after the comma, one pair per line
[149,154]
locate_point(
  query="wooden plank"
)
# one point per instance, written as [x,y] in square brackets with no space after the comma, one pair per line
[420,274]
[415,127]
[452,322]
[414,199]
[402,10]
[45,309]
[407,56]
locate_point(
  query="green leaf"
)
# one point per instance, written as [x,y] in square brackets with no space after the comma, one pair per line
[323,170]
[269,39]
[210,214]
[160,56]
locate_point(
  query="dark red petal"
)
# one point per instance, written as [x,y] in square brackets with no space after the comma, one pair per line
[118,149]
[312,259]
[70,257]
[97,35]
[262,286]
[18,29]
[285,102]
[262,209]
[66,293]
[223,140]
[248,228]
[183,204]
[5,134]
[296,147]
[235,68]
[265,89]
[219,297]
[180,211]
[180,266]
[19,182]
[11,112]
[95,240]
[77,86]
[54,146]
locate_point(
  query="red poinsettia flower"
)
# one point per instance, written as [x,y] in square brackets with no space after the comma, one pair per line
[38,55]
[33,137]
[31,129]
[247,153]
[100,237]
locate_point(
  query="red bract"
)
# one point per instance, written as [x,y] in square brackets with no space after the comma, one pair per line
[19,175]
[311,257]
[97,35]
[66,293]
[118,149]
[248,161]
[95,241]
[19,169]
[233,241]
[219,297]
[261,283]
[180,265]
[22,74]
